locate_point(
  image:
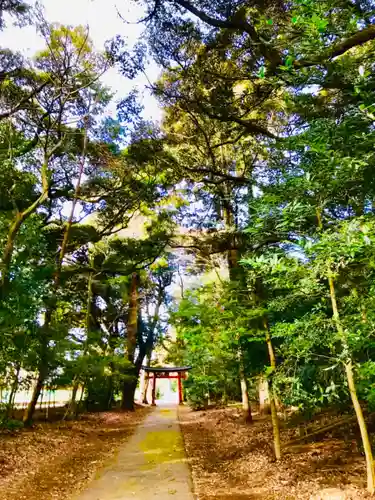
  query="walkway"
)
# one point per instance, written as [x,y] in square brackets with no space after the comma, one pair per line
[151,465]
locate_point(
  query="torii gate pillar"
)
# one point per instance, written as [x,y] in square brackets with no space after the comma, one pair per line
[180,394]
[153,390]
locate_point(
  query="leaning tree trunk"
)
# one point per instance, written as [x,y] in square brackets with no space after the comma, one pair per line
[43,370]
[274,416]
[30,410]
[20,218]
[348,365]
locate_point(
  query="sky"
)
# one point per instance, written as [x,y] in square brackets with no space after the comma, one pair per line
[104,22]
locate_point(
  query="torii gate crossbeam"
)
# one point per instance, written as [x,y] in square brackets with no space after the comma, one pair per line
[175,372]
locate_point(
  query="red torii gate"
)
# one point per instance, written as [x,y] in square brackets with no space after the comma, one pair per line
[167,372]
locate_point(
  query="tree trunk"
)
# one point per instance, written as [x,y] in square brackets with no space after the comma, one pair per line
[145,391]
[244,391]
[12,394]
[128,391]
[71,409]
[43,372]
[131,378]
[263,396]
[9,248]
[274,416]
[132,327]
[245,400]
[79,405]
[363,428]
[353,391]
[275,425]
[110,391]
[30,409]
[146,381]
[143,386]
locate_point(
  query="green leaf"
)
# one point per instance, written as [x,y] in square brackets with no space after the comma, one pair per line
[262,72]
[289,61]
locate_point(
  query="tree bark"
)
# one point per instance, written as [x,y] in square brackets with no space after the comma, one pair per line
[131,378]
[128,391]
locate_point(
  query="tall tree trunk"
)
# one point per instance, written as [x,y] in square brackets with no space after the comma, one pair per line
[128,391]
[244,391]
[131,378]
[274,416]
[348,365]
[71,408]
[144,383]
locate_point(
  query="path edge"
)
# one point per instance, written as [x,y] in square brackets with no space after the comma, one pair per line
[192,482]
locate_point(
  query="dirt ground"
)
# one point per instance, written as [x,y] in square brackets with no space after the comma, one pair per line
[56,460]
[232,460]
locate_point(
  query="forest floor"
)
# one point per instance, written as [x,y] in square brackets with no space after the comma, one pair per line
[54,460]
[232,460]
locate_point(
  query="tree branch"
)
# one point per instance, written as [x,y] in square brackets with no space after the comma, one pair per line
[338,49]
[236,22]
[17,107]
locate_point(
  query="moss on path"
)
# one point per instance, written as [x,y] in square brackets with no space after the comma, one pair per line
[152,464]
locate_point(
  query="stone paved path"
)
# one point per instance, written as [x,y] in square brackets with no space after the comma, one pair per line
[151,465]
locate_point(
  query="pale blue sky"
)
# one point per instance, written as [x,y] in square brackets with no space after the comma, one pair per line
[102,18]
